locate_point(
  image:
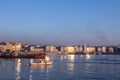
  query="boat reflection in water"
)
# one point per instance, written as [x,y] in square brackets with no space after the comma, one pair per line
[42,68]
[18,69]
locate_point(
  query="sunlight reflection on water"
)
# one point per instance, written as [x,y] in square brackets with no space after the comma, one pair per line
[18,69]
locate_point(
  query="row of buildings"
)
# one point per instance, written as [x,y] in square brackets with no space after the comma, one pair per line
[19,47]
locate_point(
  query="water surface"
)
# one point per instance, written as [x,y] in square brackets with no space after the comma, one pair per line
[64,67]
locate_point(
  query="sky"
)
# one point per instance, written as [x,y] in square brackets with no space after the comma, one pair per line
[60,22]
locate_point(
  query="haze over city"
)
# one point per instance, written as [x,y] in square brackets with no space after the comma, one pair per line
[60,22]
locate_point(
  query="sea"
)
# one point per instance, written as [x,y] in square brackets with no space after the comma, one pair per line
[64,67]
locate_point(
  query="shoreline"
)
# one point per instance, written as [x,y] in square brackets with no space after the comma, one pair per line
[33,56]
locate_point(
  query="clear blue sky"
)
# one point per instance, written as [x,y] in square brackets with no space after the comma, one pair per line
[60,22]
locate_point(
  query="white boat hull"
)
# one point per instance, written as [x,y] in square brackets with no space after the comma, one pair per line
[39,64]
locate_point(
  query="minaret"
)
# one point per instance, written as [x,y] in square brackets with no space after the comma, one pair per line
[85,49]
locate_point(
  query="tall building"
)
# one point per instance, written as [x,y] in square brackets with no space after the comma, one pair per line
[85,48]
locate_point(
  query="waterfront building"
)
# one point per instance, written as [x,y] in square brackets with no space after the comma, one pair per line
[32,48]
[2,47]
[117,49]
[17,47]
[9,46]
[80,49]
[28,48]
[76,49]
[69,49]
[61,49]
[49,48]
[39,49]
[111,50]
[103,49]
[90,49]
[98,49]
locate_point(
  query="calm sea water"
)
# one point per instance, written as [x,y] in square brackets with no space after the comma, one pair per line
[64,67]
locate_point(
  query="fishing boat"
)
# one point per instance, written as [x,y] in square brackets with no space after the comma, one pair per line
[40,56]
[41,62]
